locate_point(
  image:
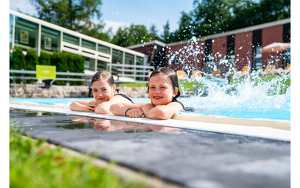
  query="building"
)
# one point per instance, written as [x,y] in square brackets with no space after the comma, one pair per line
[233,49]
[28,32]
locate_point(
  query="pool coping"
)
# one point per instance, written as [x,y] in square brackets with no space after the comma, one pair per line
[268,129]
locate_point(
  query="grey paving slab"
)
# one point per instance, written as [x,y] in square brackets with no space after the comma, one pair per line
[186,157]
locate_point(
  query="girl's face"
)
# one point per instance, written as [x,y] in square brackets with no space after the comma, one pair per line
[102,91]
[160,90]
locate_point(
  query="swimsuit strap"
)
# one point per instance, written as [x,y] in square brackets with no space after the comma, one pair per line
[175,100]
[125,96]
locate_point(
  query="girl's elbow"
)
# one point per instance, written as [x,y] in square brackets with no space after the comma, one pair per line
[72,106]
[162,114]
[102,111]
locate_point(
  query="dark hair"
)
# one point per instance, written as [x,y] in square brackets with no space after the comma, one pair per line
[167,72]
[103,75]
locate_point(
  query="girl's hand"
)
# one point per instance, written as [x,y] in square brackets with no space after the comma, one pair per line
[135,113]
[91,106]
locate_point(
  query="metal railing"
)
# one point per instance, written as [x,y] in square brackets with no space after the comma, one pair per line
[84,77]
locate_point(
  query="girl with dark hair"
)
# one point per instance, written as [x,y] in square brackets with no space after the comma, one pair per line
[163,91]
[103,88]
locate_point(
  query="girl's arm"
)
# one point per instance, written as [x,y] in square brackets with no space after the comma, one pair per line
[162,111]
[83,106]
[132,110]
[104,108]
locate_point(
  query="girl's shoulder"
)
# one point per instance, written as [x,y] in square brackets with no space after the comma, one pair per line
[180,104]
[124,96]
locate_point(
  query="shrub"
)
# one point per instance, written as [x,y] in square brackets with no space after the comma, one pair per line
[45,58]
[18,59]
[64,61]
[31,59]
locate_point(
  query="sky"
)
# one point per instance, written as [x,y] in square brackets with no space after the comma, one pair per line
[116,13]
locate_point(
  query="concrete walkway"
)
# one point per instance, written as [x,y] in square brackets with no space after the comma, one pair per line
[186,157]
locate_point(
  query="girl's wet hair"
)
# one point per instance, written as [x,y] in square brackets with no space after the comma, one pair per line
[104,75]
[167,72]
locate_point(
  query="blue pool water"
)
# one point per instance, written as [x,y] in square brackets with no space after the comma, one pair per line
[226,107]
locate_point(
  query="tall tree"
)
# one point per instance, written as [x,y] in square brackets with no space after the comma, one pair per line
[216,16]
[212,16]
[153,32]
[77,15]
[166,33]
[128,36]
[186,27]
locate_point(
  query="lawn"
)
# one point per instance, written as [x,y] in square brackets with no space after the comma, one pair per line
[34,164]
[278,84]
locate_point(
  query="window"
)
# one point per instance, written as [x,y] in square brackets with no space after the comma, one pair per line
[230,45]
[26,33]
[101,65]
[88,44]
[70,39]
[117,58]
[10,30]
[89,63]
[129,60]
[287,32]
[286,58]
[256,55]
[50,39]
[139,71]
[257,60]
[103,49]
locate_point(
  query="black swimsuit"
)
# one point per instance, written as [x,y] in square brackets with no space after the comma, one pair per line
[122,95]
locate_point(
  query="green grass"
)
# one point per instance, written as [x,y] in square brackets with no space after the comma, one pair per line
[278,87]
[34,164]
[189,85]
[279,83]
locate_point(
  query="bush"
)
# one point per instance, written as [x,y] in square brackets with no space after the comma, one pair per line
[18,62]
[18,59]
[45,58]
[64,61]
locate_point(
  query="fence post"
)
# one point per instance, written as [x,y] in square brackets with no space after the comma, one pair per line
[68,78]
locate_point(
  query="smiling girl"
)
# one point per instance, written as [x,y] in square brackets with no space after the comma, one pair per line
[163,92]
[103,88]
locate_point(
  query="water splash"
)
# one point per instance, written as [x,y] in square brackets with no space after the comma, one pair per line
[249,99]
[252,96]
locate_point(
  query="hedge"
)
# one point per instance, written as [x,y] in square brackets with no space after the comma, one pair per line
[63,61]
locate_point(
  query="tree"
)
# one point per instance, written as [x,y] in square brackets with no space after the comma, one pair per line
[153,32]
[77,15]
[128,36]
[186,27]
[212,16]
[166,33]
[216,16]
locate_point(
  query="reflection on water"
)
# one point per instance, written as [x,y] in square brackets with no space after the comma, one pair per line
[112,125]
[29,113]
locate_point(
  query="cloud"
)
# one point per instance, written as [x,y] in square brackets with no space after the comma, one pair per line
[114,25]
[24,6]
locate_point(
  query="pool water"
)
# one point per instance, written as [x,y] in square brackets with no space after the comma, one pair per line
[228,107]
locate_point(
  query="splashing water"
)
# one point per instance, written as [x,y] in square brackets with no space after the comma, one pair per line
[253,96]
[248,99]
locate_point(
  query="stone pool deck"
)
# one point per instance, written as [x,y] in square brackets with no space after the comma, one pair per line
[186,158]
